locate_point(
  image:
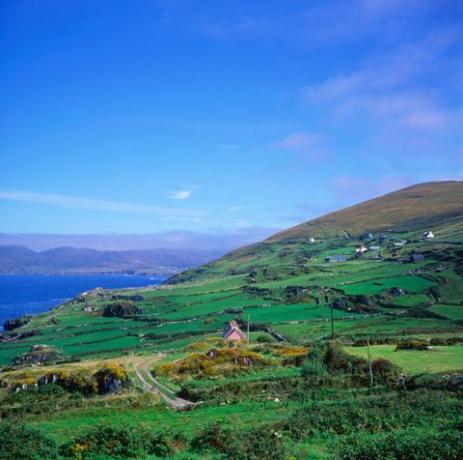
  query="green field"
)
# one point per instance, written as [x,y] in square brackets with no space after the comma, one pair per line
[439,359]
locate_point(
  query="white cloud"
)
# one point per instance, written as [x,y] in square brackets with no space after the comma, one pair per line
[385,88]
[300,141]
[91,204]
[180,194]
[307,144]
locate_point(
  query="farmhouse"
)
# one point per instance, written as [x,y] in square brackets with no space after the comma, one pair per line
[361,249]
[233,333]
[428,235]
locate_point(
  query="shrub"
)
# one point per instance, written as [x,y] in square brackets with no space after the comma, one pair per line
[436,382]
[413,344]
[385,370]
[120,442]
[258,443]
[264,339]
[314,372]
[214,362]
[217,435]
[406,445]
[122,309]
[25,443]
[40,354]
[11,324]
[337,360]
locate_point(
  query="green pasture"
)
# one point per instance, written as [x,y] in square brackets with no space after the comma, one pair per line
[67,424]
[439,359]
[411,283]
[453,312]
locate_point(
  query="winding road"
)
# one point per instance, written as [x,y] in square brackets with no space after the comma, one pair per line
[151,384]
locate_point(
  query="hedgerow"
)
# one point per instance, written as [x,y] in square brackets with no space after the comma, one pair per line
[402,445]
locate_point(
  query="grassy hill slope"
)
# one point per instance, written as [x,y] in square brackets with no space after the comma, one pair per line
[414,208]
[403,285]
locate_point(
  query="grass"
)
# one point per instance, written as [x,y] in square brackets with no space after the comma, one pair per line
[439,359]
[259,281]
[243,413]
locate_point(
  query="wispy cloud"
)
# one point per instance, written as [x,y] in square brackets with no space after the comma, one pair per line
[235,208]
[91,204]
[180,194]
[360,18]
[309,144]
[385,87]
[397,102]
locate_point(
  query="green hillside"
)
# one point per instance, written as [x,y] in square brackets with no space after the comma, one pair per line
[404,284]
[292,392]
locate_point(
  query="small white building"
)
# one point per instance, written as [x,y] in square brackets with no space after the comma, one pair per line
[428,235]
[312,240]
[361,249]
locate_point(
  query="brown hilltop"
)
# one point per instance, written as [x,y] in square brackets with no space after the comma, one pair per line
[415,207]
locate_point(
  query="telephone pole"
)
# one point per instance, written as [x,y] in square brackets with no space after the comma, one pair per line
[370,367]
[249,319]
[332,321]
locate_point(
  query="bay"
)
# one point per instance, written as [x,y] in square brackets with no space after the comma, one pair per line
[29,294]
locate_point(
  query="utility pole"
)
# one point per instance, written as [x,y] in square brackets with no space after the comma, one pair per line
[369,361]
[332,321]
[249,319]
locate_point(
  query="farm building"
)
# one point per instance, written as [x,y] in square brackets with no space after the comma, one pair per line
[233,333]
[428,235]
[335,258]
[361,249]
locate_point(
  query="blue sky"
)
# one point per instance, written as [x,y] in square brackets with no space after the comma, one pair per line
[219,116]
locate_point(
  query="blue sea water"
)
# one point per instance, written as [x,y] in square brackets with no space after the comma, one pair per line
[23,294]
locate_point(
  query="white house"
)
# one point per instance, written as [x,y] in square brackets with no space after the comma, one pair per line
[428,235]
[361,249]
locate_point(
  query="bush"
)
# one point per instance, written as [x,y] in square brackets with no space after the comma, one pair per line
[406,445]
[437,382]
[259,443]
[413,344]
[214,362]
[314,372]
[122,309]
[264,339]
[11,324]
[118,442]
[25,443]
[385,413]
[40,354]
[337,360]
[217,435]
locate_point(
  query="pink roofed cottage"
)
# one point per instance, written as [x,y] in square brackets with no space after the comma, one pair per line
[233,333]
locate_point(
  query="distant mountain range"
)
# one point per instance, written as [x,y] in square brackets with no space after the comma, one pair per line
[216,241]
[16,259]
